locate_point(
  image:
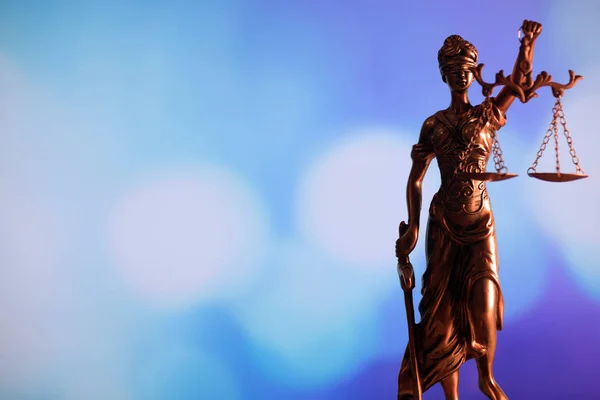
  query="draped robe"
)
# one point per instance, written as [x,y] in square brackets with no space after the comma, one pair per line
[460,246]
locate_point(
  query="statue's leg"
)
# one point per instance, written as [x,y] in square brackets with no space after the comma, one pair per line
[450,386]
[483,303]
[405,379]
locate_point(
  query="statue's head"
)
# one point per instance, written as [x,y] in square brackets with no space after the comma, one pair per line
[456,58]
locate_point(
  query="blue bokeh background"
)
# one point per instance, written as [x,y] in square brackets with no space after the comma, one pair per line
[199,199]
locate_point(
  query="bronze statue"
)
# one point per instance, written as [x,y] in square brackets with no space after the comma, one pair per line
[462,305]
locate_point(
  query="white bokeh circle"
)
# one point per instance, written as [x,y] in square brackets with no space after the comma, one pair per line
[352,199]
[313,323]
[87,387]
[32,251]
[189,234]
[180,371]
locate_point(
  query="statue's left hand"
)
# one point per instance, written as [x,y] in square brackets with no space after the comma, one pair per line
[531,30]
[407,240]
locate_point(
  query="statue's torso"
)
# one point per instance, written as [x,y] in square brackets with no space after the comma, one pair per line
[463,206]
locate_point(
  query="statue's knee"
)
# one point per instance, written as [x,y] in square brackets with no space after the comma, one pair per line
[486,382]
[482,307]
[484,297]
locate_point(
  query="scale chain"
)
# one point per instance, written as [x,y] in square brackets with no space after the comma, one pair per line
[563,121]
[498,159]
[556,148]
[549,134]
[558,116]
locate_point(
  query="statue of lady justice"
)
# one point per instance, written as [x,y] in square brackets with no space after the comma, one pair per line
[462,305]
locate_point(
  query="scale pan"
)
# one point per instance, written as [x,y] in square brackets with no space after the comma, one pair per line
[486,176]
[556,177]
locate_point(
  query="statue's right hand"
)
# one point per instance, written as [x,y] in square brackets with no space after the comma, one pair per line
[407,240]
[531,30]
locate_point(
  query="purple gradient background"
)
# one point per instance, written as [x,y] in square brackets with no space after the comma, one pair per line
[99,99]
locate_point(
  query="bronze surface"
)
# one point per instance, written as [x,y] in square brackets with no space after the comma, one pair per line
[462,304]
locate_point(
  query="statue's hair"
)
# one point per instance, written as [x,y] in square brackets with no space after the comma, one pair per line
[456,51]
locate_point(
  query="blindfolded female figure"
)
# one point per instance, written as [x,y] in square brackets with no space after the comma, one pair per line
[462,305]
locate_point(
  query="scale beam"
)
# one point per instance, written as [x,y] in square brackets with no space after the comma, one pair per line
[527,91]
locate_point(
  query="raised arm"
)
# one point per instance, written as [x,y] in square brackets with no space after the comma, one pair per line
[422,154]
[521,74]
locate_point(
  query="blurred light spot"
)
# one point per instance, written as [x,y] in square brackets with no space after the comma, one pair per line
[393,330]
[189,234]
[569,211]
[569,25]
[186,373]
[314,323]
[31,257]
[351,200]
[98,331]
[95,386]
[523,261]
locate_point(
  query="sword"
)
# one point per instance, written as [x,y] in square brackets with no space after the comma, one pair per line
[404,262]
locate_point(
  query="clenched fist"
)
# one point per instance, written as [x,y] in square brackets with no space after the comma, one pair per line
[407,240]
[531,30]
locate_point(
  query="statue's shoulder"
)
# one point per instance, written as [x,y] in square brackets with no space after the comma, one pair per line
[433,120]
[429,126]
